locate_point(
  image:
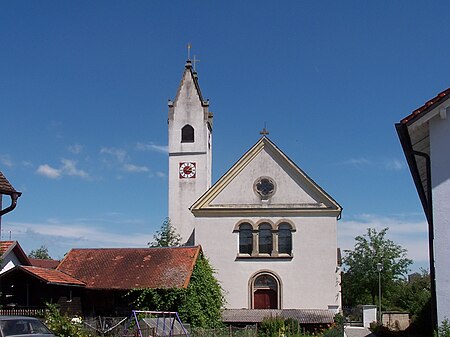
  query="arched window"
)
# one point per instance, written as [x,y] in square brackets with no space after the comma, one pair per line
[245,239]
[187,134]
[265,238]
[285,238]
[265,291]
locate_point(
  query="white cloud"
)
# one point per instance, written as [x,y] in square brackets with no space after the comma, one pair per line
[135,169]
[395,165]
[75,148]
[48,171]
[6,160]
[61,236]
[382,164]
[411,232]
[357,161]
[67,168]
[161,174]
[152,147]
[119,154]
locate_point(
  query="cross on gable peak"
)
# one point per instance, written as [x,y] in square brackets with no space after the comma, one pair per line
[264,132]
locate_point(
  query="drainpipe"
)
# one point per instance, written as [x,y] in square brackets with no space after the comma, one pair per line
[429,215]
[14,196]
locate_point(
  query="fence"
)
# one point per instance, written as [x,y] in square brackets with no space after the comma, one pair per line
[34,312]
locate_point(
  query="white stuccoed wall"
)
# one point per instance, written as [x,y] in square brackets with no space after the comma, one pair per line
[309,280]
[440,168]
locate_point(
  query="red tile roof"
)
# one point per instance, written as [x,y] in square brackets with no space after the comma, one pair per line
[51,276]
[130,268]
[427,106]
[5,186]
[7,246]
[44,263]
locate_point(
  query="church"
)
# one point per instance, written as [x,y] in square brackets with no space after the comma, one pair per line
[267,228]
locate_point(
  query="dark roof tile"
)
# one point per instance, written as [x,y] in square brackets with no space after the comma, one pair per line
[5,186]
[305,316]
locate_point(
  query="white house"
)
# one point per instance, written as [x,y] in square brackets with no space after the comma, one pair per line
[268,229]
[425,138]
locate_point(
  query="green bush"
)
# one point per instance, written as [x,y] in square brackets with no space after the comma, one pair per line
[272,327]
[63,325]
[443,330]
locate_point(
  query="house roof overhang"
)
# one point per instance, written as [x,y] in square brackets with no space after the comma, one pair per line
[413,133]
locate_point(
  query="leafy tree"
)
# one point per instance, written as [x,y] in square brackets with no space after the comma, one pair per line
[360,277]
[200,304]
[166,236]
[40,253]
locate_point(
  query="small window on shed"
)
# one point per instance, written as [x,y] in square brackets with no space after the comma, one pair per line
[187,134]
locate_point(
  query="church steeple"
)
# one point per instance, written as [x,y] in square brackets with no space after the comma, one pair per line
[190,151]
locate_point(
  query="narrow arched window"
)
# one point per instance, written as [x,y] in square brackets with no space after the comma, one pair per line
[265,238]
[187,134]
[245,239]
[285,238]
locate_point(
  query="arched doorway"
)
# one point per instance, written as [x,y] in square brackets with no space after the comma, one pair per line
[265,291]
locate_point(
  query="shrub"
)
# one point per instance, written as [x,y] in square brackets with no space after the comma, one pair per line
[63,325]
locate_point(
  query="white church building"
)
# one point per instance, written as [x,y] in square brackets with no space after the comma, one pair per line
[267,228]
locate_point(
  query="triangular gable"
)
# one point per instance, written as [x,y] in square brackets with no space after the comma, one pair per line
[8,247]
[234,193]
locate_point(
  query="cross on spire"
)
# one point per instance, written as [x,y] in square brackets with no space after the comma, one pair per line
[194,61]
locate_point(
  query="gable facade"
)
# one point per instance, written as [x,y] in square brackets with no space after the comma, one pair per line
[268,229]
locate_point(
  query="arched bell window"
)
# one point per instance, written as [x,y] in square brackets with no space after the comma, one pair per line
[187,134]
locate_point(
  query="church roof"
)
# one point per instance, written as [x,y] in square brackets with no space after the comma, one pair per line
[130,268]
[306,198]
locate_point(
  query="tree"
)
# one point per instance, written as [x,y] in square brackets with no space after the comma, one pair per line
[40,253]
[360,277]
[166,236]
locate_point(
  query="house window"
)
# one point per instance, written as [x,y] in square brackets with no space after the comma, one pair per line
[285,238]
[265,291]
[265,238]
[187,134]
[245,238]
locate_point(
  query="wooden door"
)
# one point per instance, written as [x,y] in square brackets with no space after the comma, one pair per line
[265,299]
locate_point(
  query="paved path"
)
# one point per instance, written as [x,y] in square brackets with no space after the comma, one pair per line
[353,331]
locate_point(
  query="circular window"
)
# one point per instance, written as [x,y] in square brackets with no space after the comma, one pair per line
[264,187]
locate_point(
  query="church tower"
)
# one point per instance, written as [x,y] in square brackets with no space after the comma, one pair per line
[190,152]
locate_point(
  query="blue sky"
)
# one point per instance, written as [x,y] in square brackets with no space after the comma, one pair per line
[83,106]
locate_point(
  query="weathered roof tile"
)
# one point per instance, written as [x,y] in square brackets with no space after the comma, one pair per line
[130,268]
